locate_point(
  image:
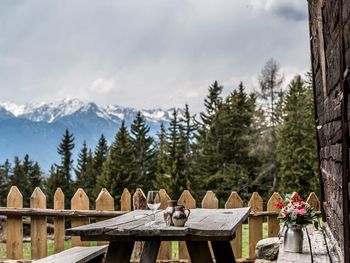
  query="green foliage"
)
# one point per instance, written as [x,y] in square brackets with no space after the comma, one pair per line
[144,153]
[296,149]
[5,169]
[118,171]
[63,170]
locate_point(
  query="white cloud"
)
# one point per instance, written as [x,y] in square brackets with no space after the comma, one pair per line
[290,9]
[144,54]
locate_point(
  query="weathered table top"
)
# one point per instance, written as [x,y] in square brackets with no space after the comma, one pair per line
[202,225]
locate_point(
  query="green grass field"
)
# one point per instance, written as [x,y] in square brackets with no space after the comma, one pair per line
[175,245]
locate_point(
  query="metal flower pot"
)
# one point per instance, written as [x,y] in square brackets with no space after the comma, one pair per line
[293,239]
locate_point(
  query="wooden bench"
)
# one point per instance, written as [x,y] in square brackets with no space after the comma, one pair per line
[315,249]
[77,255]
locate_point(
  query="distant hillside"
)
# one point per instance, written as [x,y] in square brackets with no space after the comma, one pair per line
[37,128]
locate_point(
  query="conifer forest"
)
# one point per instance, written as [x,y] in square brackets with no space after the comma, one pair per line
[245,141]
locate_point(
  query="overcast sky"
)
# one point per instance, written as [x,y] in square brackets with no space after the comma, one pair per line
[145,54]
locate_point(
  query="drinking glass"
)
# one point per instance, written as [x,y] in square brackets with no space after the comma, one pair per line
[153,203]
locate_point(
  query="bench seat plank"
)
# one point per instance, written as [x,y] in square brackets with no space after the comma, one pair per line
[75,255]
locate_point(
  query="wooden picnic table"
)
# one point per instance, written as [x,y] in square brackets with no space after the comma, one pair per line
[215,225]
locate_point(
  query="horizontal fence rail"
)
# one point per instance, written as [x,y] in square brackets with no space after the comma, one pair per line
[80,214]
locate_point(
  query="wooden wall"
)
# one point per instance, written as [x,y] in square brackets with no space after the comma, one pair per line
[330,55]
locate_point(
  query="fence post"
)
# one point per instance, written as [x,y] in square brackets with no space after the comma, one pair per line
[80,201]
[314,202]
[187,200]
[139,202]
[255,223]
[235,201]
[165,247]
[14,235]
[210,200]
[38,229]
[59,221]
[273,227]
[125,200]
[104,202]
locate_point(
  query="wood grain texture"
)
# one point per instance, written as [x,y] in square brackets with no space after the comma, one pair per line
[186,199]
[104,202]
[139,202]
[75,254]
[255,223]
[38,229]
[165,251]
[14,235]
[125,201]
[119,252]
[318,245]
[203,224]
[150,252]
[199,252]
[313,201]
[210,200]
[223,252]
[273,226]
[59,222]
[235,201]
[79,201]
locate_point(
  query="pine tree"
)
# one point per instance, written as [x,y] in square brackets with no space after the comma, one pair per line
[206,159]
[100,155]
[4,182]
[297,151]
[144,153]
[19,179]
[35,177]
[51,183]
[64,169]
[162,179]
[81,169]
[118,171]
[271,92]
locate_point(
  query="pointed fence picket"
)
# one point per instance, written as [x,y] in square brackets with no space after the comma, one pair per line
[38,229]
[186,199]
[105,206]
[235,201]
[14,235]
[80,201]
[59,221]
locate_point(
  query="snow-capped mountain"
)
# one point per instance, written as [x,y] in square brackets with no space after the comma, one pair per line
[37,128]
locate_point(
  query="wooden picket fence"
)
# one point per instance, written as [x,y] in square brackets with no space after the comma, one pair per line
[105,208]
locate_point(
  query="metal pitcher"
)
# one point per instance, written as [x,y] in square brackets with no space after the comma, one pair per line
[293,239]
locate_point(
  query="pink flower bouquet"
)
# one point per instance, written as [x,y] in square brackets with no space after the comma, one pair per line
[294,211]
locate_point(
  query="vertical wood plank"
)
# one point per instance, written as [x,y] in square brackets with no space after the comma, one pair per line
[59,222]
[125,200]
[235,201]
[314,202]
[210,200]
[139,201]
[80,201]
[255,223]
[14,235]
[186,199]
[38,226]
[165,251]
[104,202]
[273,226]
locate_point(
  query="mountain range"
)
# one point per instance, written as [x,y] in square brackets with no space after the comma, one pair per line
[37,128]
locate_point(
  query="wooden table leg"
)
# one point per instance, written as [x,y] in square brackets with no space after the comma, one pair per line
[119,252]
[199,251]
[150,252]
[223,252]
